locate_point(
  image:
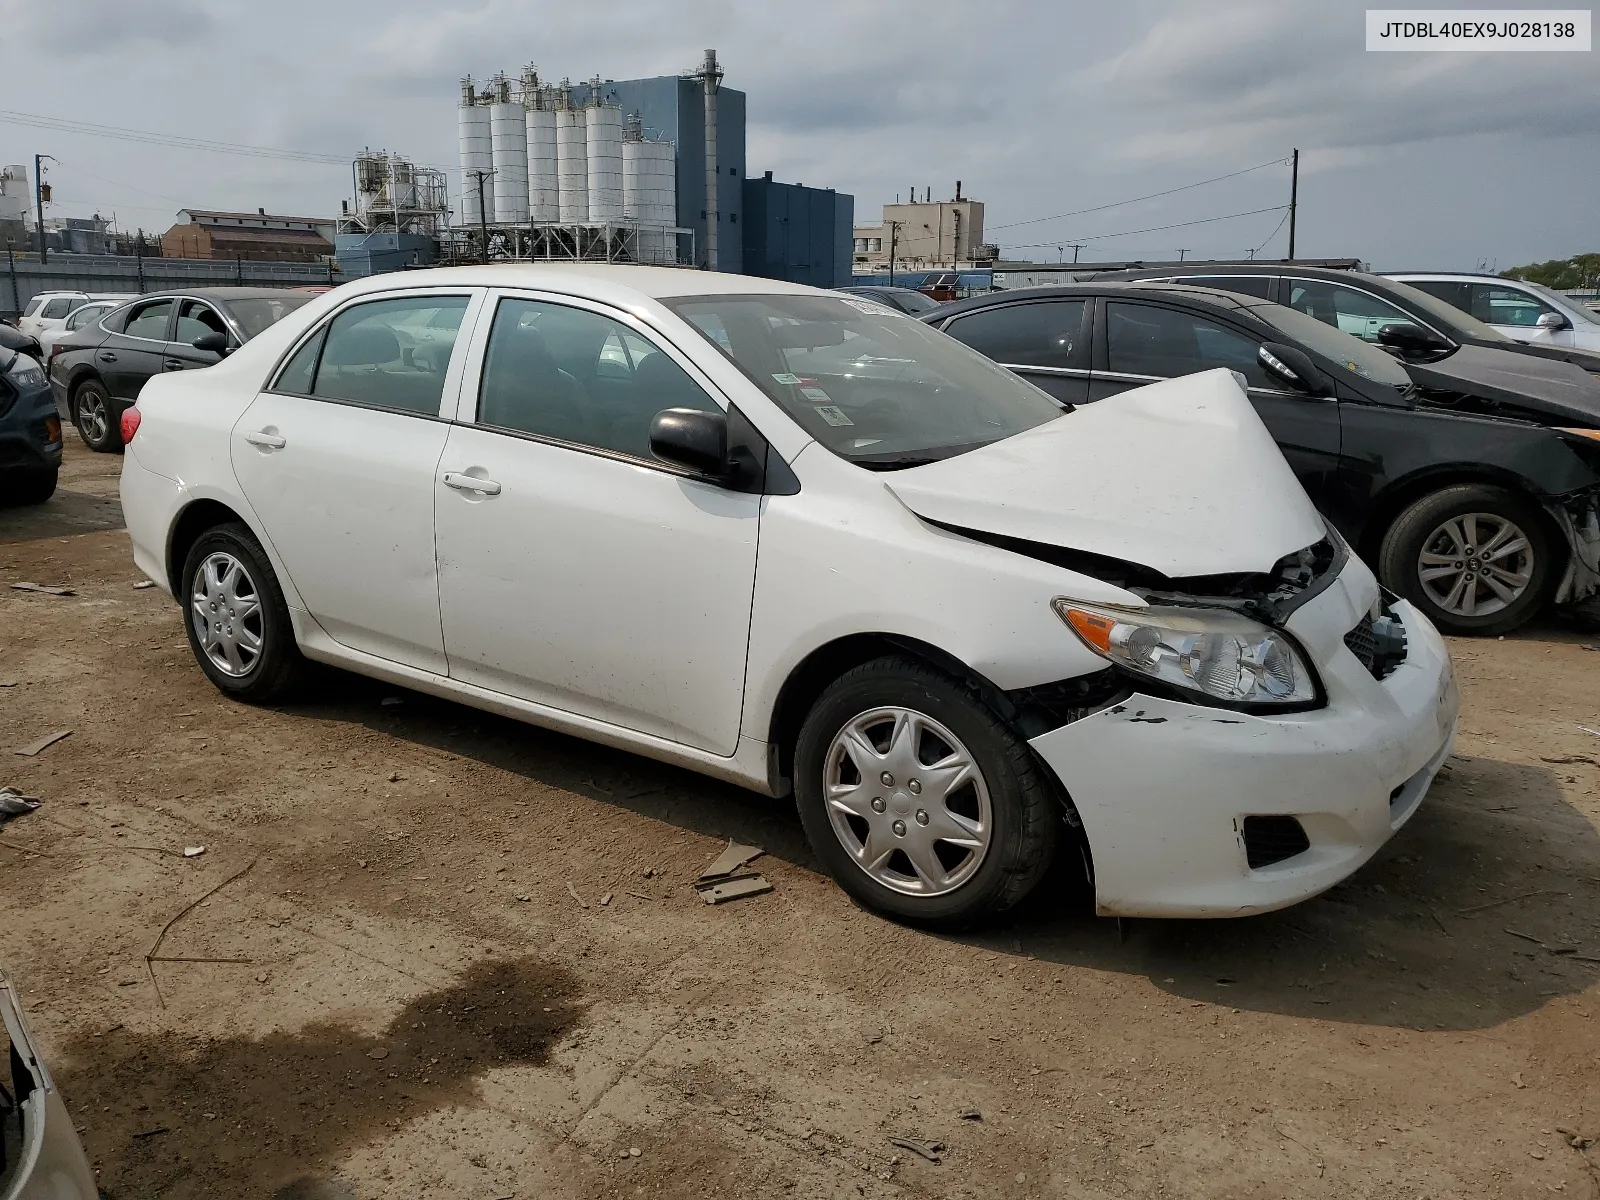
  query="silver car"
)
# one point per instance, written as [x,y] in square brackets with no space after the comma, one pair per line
[41,1157]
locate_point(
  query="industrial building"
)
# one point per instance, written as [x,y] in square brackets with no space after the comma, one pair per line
[16,201]
[258,236]
[401,211]
[641,170]
[924,235]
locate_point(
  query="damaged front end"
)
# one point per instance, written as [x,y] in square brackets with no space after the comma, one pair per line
[41,1157]
[1579,520]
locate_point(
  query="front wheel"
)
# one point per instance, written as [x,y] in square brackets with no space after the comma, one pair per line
[919,800]
[236,619]
[95,417]
[1476,559]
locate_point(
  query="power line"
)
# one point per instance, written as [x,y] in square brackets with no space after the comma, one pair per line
[1154,228]
[176,141]
[1271,235]
[1136,199]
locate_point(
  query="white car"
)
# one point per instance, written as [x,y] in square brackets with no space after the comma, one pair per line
[1529,312]
[84,314]
[48,311]
[961,624]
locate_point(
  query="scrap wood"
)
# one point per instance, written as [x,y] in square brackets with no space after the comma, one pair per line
[45,588]
[45,742]
[1568,759]
[582,903]
[150,957]
[932,1150]
[730,860]
[25,849]
[717,891]
[1477,908]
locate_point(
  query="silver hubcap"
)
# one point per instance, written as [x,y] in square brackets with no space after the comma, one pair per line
[1475,565]
[226,611]
[908,802]
[92,418]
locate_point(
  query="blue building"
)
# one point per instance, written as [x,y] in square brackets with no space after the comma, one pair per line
[797,233]
[673,107]
[362,254]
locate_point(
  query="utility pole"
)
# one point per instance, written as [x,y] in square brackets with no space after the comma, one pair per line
[483,216]
[1294,198]
[1181,252]
[1076,246]
[41,193]
[894,235]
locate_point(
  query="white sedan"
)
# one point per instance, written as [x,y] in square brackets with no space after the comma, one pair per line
[799,541]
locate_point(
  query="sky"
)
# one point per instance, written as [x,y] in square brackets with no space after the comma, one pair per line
[1447,161]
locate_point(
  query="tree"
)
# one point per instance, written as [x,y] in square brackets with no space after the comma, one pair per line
[1562,274]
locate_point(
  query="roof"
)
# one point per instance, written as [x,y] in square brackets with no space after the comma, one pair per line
[229,233]
[218,214]
[225,294]
[616,283]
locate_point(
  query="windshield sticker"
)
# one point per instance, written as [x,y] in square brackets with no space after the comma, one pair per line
[871,306]
[816,395]
[833,415]
[786,378]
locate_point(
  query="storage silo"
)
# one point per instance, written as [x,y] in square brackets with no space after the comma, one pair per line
[650,198]
[477,155]
[508,129]
[544,205]
[572,159]
[604,129]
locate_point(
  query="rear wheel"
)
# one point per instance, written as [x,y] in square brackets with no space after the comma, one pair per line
[93,414]
[236,619]
[1477,559]
[919,800]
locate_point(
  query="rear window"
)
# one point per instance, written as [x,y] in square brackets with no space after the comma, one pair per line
[34,306]
[261,312]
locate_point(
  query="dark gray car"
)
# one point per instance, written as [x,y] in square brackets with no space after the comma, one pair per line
[30,432]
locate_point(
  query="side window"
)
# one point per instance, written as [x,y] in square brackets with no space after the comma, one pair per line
[1042,334]
[575,375]
[297,376]
[1249,285]
[34,306]
[85,315]
[1452,292]
[58,308]
[1506,306]
[196,319]
[149,320]
[1144,340]
[1345,308]
[389,353]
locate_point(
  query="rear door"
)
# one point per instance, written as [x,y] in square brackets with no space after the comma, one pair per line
[127,358]
[1044,341]
[1143,342]
[338,458]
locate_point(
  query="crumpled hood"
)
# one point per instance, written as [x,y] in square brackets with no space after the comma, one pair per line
[1543,386]
[1180,476]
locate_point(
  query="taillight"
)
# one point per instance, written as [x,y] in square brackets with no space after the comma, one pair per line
[130,424]
[52,429]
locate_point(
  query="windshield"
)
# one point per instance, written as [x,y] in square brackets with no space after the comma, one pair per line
[258,312]
[914,302]
[1350,352]
[1448,315]
[1566,304]
[874,386]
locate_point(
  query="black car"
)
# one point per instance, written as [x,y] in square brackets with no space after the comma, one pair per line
[12,338]
[30,432]
[906,300]
[1480,502]
[1422,328]
[96,372]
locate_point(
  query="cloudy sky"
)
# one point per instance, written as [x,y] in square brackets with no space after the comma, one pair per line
[1040,107]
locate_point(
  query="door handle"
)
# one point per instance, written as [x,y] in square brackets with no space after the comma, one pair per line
[172,364]
[469,483]
[107,356]
[271,441]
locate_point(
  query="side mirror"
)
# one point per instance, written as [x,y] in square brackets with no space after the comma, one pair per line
[688,437]
[1411,341]
[1294,368]
[1553,322]
[215,343]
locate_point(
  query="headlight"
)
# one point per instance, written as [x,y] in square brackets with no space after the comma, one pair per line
[1218,653]
[25,372]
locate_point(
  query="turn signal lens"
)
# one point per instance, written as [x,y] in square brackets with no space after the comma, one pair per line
[1217,653]
[52,429]
[1588,433]
[130,424]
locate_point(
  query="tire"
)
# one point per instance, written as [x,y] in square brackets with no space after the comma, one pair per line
[30,487]
[253,655]
[96,419]
[1018,839]
[1423,558]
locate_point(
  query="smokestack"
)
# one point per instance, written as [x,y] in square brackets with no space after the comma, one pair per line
[710,77]
[958,189]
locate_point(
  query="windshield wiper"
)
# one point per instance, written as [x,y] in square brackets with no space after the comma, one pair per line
[897,462]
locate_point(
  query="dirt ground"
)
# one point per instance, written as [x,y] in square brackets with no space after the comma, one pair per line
[405,980]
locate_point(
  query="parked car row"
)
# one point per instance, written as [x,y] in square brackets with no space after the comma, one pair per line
[983,627]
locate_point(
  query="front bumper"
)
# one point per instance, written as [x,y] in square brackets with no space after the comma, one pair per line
[1163,787]
[25,442]
[51,1164]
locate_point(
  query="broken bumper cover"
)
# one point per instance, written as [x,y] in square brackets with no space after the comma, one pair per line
[1163,787]
[1579,519]
[50,1163]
